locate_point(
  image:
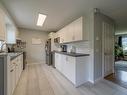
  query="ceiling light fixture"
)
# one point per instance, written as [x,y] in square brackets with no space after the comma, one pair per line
[41,19]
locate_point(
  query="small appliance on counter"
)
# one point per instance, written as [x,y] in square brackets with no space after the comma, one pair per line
[73,49]
[64,48]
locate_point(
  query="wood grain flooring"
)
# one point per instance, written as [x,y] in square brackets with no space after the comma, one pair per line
[119,77]
[41,79]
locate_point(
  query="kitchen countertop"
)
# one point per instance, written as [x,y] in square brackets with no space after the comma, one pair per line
[14,55]
[72,54]
[3,54]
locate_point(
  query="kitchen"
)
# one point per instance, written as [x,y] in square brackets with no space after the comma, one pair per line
[44,57]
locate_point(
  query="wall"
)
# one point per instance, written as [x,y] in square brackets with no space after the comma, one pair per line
[35,53]
[8,15]
[90,21]
[121,30]
[99,18]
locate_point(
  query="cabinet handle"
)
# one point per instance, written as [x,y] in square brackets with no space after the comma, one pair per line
[12,70]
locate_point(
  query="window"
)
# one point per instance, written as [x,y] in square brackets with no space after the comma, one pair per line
[124,44]
[1,42]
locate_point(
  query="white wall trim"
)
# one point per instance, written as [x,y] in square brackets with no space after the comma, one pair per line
[91,81]
[98,80]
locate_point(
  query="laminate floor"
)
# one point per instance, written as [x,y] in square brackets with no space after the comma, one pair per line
[41,79]
[119,77]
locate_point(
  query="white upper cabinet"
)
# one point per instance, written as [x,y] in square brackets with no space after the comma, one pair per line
[62,35]
[69,33]
[2,25]
[75,31]
[78,29]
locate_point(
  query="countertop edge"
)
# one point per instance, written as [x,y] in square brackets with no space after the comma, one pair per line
[16,56]
[71,54]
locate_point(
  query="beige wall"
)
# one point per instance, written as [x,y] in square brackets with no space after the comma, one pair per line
[35,53]
[121,30]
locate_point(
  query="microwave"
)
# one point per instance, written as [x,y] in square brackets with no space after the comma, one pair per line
[57,40]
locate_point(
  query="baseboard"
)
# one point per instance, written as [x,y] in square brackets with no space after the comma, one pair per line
[98,80]
[91,81]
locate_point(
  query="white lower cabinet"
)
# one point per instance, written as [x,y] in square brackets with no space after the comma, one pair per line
[75,69]
[12,80]
[58,62]
[14,72]
[69,68]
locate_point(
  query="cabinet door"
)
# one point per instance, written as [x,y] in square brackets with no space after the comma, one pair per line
[20,64]
[70,70]
[12,80]
[2,25]
[58,62]
[78,29]
[69,33]
[63,64]
[61,32]
[17,70]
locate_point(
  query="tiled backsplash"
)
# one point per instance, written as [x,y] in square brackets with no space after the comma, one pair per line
[81,47]
[78,47]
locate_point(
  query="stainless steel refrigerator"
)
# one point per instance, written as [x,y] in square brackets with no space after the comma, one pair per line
[48,52]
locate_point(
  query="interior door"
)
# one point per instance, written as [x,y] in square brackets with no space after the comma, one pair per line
[108,48]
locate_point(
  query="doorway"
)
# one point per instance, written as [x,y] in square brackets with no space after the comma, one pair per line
[107,49]
[120,62]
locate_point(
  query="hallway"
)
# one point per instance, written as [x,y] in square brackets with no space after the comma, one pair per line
[41,79]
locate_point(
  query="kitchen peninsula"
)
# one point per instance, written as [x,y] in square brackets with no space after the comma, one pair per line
[11,66]
[74,66]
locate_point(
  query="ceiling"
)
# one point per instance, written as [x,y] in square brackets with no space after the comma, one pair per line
[62,12]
